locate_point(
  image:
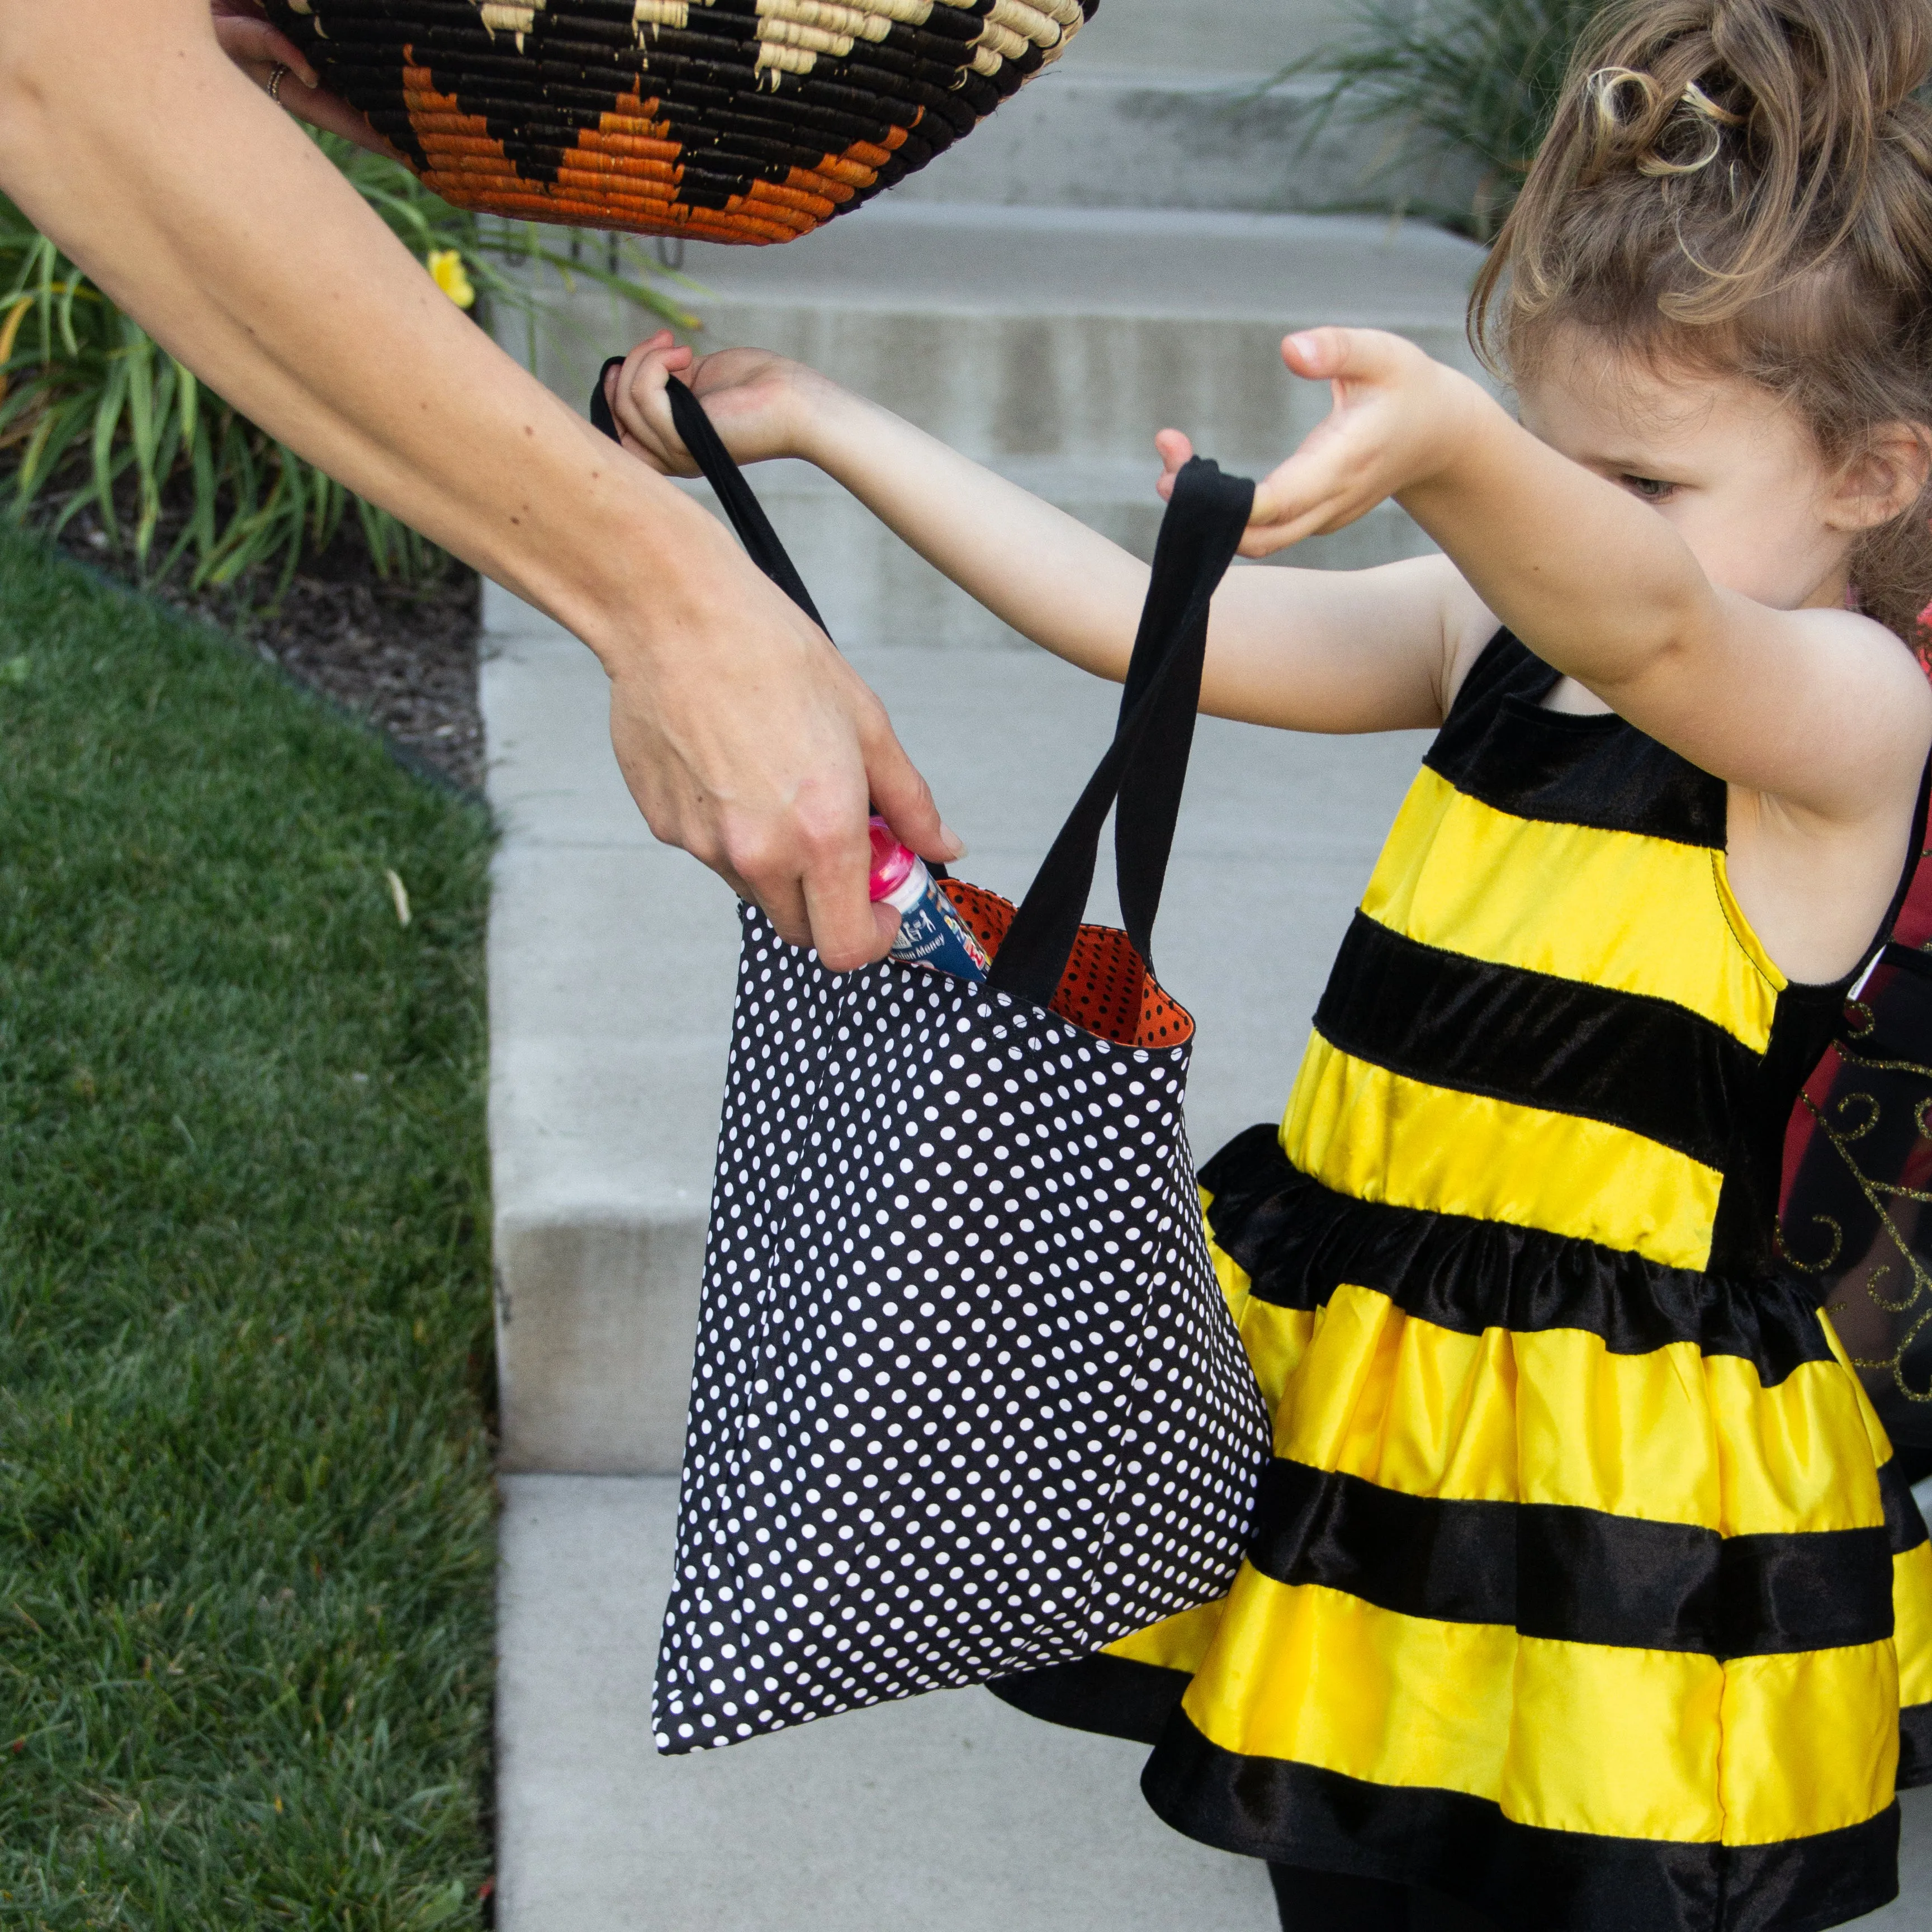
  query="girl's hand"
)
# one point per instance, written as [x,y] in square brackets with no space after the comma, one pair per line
[258,50]
[754,399]
[1396,421]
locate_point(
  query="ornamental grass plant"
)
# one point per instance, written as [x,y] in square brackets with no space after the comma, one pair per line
[245,1501]
[1469,81]
[94,415]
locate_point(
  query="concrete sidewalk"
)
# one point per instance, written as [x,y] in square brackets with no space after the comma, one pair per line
[950,1812]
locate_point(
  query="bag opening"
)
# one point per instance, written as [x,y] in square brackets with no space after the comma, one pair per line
[1106,989]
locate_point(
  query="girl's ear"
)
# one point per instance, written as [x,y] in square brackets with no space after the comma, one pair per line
[1884,480]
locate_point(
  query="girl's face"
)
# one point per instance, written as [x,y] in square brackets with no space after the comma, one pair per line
[1734,468]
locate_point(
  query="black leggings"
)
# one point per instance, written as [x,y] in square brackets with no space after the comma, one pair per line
[1319,1901]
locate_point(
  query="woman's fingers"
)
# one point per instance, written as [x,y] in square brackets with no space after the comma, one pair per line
[759,756]
[279,67]
[252,43]
[899,795]
[333,115]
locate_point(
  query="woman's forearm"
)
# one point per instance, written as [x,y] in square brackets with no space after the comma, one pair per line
[210,217]
[130,140]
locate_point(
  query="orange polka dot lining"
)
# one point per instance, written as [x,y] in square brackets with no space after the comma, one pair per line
[1106,988]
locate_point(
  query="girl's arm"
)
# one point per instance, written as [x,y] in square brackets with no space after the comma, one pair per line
[1815,710]
[1307,650]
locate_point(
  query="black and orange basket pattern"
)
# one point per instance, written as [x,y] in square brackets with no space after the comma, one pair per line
[723,120]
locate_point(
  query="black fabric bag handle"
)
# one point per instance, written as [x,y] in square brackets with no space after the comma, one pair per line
[707,448]
[1144,769]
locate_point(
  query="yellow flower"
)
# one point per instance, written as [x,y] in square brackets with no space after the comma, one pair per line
[445,265]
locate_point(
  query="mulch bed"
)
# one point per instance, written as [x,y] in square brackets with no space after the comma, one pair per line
[402,659]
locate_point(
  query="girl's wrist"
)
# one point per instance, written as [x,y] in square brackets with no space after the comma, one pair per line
[826,420]
[1464,420]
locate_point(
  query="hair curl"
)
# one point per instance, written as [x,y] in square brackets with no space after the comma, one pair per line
[1745,187]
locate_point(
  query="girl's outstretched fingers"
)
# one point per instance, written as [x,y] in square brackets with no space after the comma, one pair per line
[1321,355]
[1390,417]
[640,409]
[1177,451]
[1351,461]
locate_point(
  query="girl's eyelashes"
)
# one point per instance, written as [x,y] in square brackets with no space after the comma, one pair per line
[1651,489]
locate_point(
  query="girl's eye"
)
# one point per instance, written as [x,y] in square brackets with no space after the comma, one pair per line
[1649,488]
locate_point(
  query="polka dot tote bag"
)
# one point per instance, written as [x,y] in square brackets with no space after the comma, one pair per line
[967,1400]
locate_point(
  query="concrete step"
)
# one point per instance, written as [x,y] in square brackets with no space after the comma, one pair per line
[1086,136]
[950,1811]
[1052,342]
[1158,40]
[611,971]
[1072,332]
[1160,106]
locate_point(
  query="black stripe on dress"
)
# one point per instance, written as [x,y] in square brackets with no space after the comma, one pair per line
[1501,747]
[1915,1746]
[1297,1241]
[1905,1525]
[1118,1696]
[1577,1576]
[1298,1814]
[1646,1065]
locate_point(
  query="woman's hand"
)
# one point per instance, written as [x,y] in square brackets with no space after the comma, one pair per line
[755,400]
[258,50]
[1397,420]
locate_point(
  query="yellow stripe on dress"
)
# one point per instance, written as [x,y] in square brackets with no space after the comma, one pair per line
[1175,1643]
[1810,1741]
[1912,1623]
[1462,876]
[1617,1743]
[1554,1417]
[1376,1136]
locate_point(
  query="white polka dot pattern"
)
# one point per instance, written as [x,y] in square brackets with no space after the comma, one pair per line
[967,1399]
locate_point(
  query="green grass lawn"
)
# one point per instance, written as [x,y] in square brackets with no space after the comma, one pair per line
[245,1510]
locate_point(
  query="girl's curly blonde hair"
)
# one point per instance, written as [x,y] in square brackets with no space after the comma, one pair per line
[1744,187]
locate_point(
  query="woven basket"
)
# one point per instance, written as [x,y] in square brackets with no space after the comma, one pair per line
[725,120]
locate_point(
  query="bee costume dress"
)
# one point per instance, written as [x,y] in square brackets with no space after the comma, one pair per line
[1583,1587]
